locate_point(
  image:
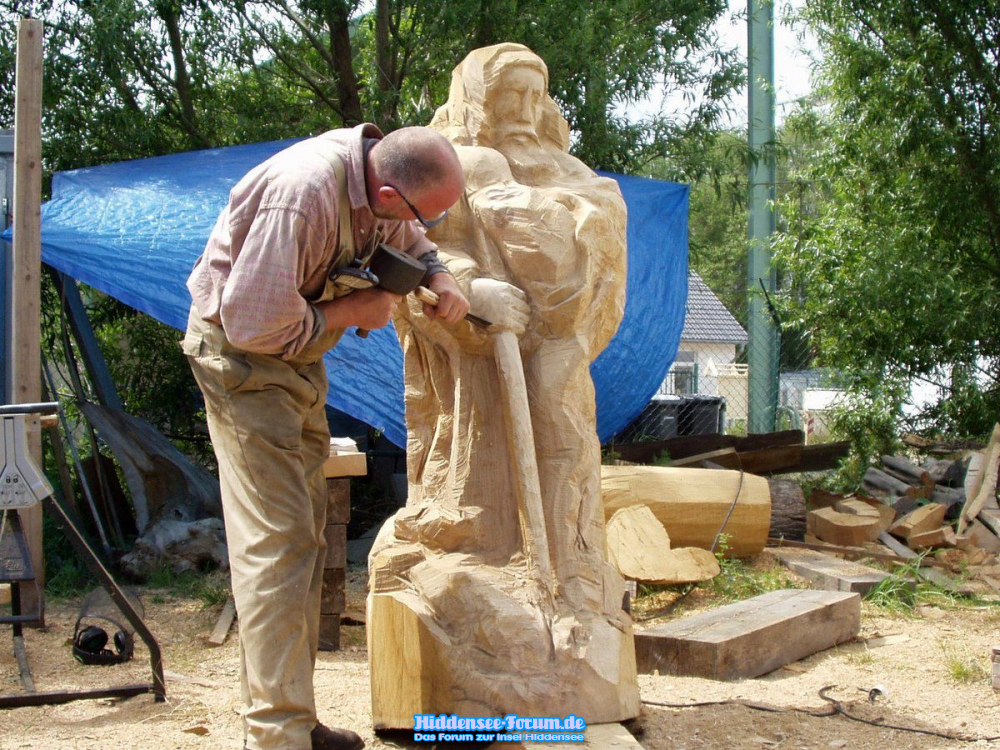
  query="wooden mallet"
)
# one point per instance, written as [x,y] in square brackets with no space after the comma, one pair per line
[401,274]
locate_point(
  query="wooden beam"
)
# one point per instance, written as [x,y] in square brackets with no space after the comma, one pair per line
[831,573]
[752,637]
[26,353]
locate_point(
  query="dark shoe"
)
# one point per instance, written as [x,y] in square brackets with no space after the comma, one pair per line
[332,738]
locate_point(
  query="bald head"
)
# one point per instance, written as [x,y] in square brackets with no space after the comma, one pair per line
[416,159]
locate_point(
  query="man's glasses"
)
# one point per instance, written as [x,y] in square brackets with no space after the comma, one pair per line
[426,222]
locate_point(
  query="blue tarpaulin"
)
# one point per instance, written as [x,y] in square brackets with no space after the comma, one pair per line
[134,230]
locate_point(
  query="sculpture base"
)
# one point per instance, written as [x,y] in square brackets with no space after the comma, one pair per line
[465,639]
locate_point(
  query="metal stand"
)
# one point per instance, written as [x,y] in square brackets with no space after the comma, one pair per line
[23,485]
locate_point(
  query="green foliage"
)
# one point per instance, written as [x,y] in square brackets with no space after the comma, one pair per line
[903,591]
[741,579]
[126,78]
[894,247]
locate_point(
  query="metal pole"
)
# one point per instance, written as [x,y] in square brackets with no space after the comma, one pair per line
[762,349]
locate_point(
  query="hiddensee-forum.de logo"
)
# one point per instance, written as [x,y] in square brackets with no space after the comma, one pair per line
[510,728]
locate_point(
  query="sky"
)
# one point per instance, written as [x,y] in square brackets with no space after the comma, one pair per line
[791,63]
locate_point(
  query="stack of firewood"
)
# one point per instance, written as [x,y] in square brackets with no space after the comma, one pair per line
[909,507]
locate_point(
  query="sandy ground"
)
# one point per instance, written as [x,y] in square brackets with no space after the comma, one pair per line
[933,670]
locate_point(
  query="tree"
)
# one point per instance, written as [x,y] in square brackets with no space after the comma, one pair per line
[128,78]
[897,262]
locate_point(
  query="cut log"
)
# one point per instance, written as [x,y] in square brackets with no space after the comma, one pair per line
[942,537]
[820,498]
[848,529]
[907,471]
[948,473]
[951,498]
[751,637]
[788,509]
[828,573]
[986,493]
[693,503]
[639,547]
[887,514]
[925,518]
[877,480]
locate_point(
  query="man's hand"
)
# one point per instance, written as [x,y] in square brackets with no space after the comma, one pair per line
[453,305]
[369,309]
[503,304]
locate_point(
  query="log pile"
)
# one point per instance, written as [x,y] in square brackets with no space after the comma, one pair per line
[945,506]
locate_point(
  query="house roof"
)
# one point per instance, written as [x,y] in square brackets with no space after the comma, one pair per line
[706,318]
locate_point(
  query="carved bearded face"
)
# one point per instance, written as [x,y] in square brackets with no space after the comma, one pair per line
[514,105]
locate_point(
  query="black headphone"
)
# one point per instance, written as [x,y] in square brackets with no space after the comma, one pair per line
[89,643]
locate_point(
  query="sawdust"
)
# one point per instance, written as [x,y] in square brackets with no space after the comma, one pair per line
[933,671]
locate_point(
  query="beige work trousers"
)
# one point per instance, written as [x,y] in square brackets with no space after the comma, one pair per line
[268,427]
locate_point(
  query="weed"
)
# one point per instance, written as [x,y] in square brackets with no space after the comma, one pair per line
[862,658]
[965,668]
[908,588]
[740,580]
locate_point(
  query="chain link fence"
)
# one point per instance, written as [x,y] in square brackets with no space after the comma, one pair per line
[708,389]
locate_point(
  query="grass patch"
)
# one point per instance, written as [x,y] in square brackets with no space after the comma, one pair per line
[741,579]
[904,590]
[965,669]
[211,589]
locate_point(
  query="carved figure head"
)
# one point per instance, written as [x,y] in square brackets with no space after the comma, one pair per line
[499,97]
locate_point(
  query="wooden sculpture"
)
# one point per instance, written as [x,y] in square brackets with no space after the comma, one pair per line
[490,592]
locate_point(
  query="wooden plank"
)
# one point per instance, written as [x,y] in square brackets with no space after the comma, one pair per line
[689,445]
[223,624]
[752,637]
[728,454]
[346,465]
[829,573]
[986,493]
[26,352]
[941,537]
[896,546]
[338,509]
[333,599]
[329,632]
[336,545]
[823,456]
[991,519]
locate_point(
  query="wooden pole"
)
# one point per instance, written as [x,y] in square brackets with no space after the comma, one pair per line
[26,383]
[522,446]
